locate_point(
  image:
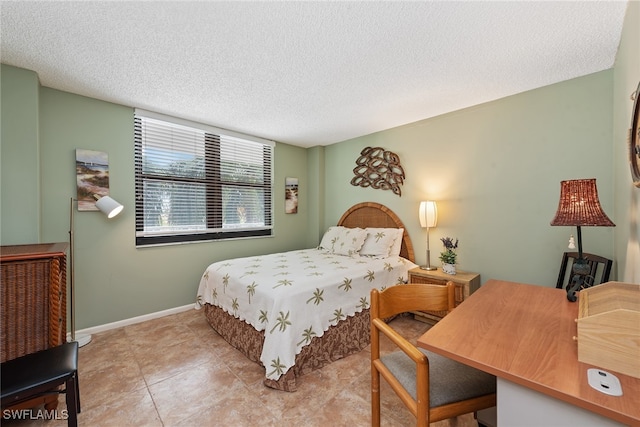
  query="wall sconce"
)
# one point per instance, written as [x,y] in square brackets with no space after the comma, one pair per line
[110,208]
[428,214]
[579,206]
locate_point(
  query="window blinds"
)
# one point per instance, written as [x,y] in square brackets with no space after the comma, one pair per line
[197,182]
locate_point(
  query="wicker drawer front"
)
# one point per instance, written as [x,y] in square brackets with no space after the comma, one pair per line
[33,305]
[459,288]
[420,279]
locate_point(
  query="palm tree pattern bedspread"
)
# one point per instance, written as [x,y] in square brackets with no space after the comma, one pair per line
[295,296]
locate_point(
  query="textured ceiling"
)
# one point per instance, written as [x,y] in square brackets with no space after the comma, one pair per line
[308,73]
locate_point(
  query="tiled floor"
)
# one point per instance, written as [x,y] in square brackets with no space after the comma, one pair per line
[176,371]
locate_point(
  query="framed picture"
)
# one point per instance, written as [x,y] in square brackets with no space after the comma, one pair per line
[291,195]
[92,177]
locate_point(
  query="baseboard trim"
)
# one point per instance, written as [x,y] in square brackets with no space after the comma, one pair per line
[132,321]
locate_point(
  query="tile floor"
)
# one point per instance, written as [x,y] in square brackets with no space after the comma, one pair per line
[176,371]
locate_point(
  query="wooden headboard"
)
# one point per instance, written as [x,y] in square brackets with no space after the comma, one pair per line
[371,214]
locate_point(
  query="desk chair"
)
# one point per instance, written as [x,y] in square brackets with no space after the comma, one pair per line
[40,373]
[431,386]
[599,269]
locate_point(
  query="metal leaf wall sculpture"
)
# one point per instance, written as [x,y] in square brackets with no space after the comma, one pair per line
[380,169]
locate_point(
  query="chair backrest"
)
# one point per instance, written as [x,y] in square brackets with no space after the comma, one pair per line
[599,269]
[408,371]
[403,298]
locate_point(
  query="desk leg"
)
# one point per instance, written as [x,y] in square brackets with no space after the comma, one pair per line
[523,407]
[488,417]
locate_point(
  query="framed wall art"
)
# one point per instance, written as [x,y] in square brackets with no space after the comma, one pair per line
[92,177]
[291,195]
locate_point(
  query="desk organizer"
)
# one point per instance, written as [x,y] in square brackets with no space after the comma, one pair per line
[609,327]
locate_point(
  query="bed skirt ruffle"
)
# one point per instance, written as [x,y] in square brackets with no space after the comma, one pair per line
[349,336]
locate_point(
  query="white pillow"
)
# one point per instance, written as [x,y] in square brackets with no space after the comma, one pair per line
[343,241]
[379,242]
[397,243]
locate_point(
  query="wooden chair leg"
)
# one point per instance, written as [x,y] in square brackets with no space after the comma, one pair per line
[375,397]
[51,402]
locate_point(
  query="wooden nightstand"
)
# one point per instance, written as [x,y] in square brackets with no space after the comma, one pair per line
[466,283]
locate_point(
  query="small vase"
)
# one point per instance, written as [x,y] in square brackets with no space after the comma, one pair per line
[449,268]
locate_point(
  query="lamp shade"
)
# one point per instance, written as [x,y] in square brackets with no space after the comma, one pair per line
[428,214]
[109,206]
[579,205]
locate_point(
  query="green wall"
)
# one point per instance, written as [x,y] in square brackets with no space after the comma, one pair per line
[627,201]
[495,171]
[315,172]
[114,279]
[19,159]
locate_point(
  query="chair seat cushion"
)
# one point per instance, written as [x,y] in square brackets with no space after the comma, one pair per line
[449,381]
[37,370]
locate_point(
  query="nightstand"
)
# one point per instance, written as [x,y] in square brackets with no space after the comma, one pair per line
[466,283]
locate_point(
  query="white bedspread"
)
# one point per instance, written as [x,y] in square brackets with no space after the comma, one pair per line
[295,296]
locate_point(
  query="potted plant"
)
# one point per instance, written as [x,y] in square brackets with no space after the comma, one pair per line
[449,255]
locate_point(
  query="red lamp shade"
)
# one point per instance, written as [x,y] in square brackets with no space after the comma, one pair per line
[579,205]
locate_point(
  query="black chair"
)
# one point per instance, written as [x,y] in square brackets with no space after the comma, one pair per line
[599,269]
[40,373]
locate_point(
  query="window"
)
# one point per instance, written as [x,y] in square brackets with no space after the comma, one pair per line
[195,182]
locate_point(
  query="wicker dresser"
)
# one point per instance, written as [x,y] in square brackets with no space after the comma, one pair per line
[34,298]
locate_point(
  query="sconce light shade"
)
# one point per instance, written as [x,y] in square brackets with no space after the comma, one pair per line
[428,214]
[108,206]
[579,205]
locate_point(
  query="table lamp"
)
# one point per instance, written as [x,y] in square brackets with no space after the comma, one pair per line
[428,214]
[579,206]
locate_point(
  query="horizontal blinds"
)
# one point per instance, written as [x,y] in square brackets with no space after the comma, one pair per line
[190,180]
[204,127]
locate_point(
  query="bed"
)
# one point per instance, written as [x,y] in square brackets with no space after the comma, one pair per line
[297,311]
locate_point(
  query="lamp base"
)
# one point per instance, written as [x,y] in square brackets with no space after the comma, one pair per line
[82,340]
[428,267]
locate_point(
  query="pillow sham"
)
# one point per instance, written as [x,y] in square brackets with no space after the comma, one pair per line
[397,243]
[379,242]
[341,240]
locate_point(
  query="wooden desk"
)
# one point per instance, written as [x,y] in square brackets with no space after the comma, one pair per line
[523,334]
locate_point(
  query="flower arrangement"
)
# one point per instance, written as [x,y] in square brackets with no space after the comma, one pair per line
[448,256]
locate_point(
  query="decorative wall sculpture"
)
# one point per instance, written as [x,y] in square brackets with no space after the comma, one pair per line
[380,169]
